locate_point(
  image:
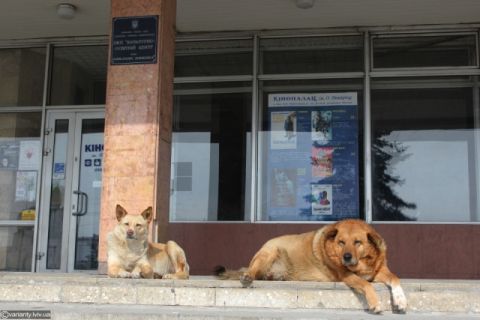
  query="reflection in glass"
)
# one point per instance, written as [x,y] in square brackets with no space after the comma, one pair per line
[210,157]
[79,75]
[424,158]
[90,175]
[22,74]
[57,196]
[16,245]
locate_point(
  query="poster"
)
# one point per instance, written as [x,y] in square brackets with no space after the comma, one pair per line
[312,160]
[322,199]
[29,155]
[26,184]
[9,154]
[283,130]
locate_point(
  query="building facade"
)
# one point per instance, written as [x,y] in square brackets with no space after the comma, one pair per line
[238,126]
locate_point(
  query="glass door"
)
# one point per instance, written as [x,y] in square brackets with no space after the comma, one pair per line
[69,221]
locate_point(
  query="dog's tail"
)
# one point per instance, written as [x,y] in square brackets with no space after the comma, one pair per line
[226,274]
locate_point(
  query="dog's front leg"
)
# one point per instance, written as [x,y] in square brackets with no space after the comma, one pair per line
[142,270]
[364,287]
[115,270]
[398,296]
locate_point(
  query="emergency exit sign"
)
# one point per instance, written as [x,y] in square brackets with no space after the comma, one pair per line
[134,40]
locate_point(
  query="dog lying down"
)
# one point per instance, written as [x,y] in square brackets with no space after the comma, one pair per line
[350,251]
[131,255]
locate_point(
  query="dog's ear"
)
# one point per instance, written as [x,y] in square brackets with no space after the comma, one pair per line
[331,232]
[121,212]
[376,239]
[147,214]
[327,233]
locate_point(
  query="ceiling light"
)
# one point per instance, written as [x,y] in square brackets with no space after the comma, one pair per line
[304,4]
[66,10]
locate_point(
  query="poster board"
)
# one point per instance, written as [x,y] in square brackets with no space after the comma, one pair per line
[312,157]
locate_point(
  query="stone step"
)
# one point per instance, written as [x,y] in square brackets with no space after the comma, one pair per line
[67,311]
[424,296]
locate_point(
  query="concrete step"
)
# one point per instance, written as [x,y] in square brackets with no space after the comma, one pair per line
[65,311]
[96,291]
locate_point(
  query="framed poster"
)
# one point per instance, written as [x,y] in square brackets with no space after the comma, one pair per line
[312,158]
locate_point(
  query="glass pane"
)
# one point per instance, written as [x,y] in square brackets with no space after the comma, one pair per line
[425,154]
[211,156]
[22,74]
[57,196]
[20,155]
[16,245]
[427,51]
[309,151]
[79,75]
[213,58]
[88,212]
[311,54]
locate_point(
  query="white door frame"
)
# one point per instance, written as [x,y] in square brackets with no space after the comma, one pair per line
[72,167]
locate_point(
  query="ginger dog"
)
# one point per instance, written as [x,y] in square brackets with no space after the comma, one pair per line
[131,255]
[350,251]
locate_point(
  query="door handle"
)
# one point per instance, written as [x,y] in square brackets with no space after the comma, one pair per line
[83,197]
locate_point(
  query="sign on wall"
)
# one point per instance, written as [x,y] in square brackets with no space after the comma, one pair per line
[134,40]
[313,157]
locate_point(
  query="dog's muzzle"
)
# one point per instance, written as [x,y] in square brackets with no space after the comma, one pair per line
[130,234]
[348,260]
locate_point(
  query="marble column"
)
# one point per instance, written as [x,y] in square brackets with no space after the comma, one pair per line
[138,126]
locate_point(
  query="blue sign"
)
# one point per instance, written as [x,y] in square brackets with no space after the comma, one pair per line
[134,40]
[312,165]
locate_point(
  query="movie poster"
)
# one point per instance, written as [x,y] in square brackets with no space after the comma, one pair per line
[283,130]
[312,160]
[322,199]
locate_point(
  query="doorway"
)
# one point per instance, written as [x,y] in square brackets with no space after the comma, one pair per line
[71,190]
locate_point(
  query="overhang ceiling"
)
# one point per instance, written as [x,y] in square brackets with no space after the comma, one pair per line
[30,19]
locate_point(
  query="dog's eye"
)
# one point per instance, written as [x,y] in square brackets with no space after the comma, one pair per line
[138,225]
[358,242]
[341,242]
[126,223]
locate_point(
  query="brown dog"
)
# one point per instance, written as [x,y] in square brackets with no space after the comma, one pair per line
[350,251]
[131,255]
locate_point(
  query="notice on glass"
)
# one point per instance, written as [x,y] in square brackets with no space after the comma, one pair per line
[312,160]
[29,155]
[25,187]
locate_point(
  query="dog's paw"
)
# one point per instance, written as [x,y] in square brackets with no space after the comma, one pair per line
[375,309]
[169,276]
[246,280]
[399,300]
[124,274]
[135,275]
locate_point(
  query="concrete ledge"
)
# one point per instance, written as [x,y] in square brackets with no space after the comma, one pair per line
[423,295]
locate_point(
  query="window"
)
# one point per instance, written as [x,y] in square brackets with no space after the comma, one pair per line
[210,152]
[79,75]
[425,150]
[311,55]
[20,155]
[213,58]
[413,51]
[423,105]
[22,75]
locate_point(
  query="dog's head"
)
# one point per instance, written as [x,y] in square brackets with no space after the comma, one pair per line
[353,244]
[133,227]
